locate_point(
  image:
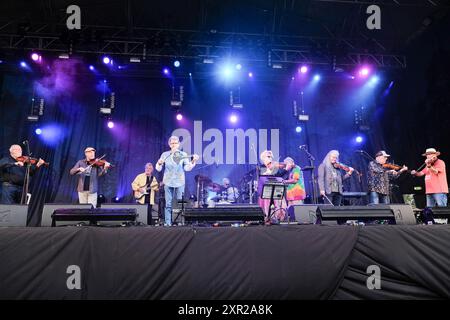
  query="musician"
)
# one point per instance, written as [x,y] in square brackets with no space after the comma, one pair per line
[436,186]
[88,174]
[174,179]
[231,194]
[330,178]
[378,178]
[12,175]
[295,193]
[145,186]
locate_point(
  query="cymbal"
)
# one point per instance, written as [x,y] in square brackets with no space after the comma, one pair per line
[201,178]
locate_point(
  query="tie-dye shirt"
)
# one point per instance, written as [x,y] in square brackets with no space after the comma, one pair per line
[296,191]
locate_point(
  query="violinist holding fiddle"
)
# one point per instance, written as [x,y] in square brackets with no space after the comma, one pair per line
[88,171]
[12,174]
[330,177]
[436,186]
[378,175]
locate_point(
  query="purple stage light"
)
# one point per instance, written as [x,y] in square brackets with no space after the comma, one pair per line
[298,129]
[233,118]
[317,77]
[250,74]
[110,124]
[166,71]
[91,67]
[179,116]
[359,139]
[23,64]
[304,69]
[106,60]
[38,131]
[177,63]
[364,72]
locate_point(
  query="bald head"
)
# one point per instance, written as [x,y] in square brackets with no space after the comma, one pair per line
[15,150]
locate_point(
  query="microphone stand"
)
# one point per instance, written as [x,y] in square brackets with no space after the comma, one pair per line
[313,175]
[23,199]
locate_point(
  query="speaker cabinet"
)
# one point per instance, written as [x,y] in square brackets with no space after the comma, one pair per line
[140,209]
[305,213]
[49,208]
[13,215]
[244,213]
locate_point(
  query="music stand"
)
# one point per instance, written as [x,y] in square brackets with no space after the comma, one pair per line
[273,188]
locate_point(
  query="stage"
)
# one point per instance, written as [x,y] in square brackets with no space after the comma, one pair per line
[278,262]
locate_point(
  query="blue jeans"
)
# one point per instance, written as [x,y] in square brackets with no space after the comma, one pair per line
[376,198]
[11,194]
[436,200]
[169,194]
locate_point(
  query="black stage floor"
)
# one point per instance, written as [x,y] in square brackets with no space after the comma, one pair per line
[258,262]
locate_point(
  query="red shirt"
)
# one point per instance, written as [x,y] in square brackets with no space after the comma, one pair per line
[436,183]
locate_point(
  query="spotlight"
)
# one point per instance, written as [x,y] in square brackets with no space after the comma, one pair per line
[317,77]
[293,78]
[176,64]
[106,60]
[359,139]
[179,117]
[250,74]
[238,66]
[23,64]
[166,71]
[227,72]
[304,69]
[298,129]
[116,199]
[364,72]
[374,79]
[91,67]
[110,124]
[35,57]
[38,131]
[233,118]
[190,74]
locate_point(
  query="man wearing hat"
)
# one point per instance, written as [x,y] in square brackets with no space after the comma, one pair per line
[378,178]
[88,177]
[436,186]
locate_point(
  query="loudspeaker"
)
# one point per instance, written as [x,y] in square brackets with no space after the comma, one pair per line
[434,215]
[13,215]
[403,213]
[305,213]
[393,213]
[140,209]
[241,212]
[93,216]
[49,208]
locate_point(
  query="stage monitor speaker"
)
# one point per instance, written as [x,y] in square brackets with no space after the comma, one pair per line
[438,215]
[241,213]
[13,215]
[94,216]
[140,209]
[392,214]
[49,208]
[305,213]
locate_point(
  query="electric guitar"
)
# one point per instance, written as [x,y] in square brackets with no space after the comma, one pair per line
[138,195]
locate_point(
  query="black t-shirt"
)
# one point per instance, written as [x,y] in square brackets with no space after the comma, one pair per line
[11,173]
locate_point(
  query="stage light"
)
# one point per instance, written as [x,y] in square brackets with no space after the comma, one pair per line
[91,67]
[166,71]
[190,74]
[250,74]
[110,124]
[135,60]
[63,56]
[227,72]
[23,64]
[293,78]
[317,77]
[176,64]
[179,117]
[303,69]
[38,131]
[364,72]
[374,80]
[35,57]
[298,129]
[359,139]
[233,118]
[238,66]
[106,60]
[116,199]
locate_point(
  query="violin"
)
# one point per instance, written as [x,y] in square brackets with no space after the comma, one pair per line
[430,162]
[391,166]
[30,160]
[98,163]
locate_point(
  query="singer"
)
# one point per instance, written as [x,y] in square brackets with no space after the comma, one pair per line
[12,174]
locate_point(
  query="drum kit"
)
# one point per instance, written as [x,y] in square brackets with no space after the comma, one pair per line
[246,193]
